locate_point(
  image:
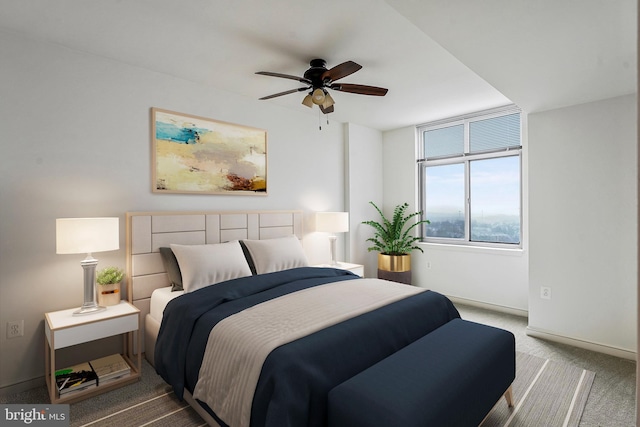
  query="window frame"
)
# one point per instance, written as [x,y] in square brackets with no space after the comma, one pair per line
[466,158]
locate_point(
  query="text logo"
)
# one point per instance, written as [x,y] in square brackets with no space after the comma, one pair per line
[36,415]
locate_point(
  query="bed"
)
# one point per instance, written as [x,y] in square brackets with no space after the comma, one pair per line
[266,343]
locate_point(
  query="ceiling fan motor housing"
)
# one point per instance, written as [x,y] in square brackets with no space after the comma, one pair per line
[318,68]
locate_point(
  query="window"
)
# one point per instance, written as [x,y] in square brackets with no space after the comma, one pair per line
[470,179]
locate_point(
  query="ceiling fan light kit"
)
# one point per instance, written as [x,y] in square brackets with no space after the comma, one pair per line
[328,101]
[308,101]
[318,96]
[318,79]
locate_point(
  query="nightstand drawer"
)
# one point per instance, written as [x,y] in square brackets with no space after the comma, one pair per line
[95,331]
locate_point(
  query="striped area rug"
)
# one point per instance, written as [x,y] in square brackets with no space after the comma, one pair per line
[159,411]
[545,393]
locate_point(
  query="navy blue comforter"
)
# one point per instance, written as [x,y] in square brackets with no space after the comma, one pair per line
[296,377]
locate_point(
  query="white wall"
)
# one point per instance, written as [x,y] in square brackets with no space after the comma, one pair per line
[583,211]
[364,184]
[399,169]
[76,142]
[492,277]
[489,276]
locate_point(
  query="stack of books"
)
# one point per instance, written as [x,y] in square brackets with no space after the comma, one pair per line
[75,378]
[110,368]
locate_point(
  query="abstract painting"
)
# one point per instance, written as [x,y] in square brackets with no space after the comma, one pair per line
[198,155]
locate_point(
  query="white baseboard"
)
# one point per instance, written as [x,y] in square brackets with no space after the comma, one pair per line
[587,345]
[488,306]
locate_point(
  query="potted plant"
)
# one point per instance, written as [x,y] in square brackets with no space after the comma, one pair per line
[394,242]
[108,280]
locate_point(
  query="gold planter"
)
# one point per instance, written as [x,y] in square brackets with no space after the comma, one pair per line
[396,268]
[395,263]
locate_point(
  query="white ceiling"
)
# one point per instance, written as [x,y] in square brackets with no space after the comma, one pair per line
[438,58]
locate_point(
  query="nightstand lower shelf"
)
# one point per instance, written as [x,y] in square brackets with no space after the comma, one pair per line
[73,397]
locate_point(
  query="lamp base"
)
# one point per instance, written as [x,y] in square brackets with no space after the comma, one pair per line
[89,305]
[89,309]
[332,248]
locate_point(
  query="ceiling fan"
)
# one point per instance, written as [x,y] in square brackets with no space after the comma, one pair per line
[318,79]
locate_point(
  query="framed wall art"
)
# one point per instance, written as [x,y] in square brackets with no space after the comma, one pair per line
[193,154]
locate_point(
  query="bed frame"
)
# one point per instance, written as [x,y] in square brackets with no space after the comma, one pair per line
[148,231]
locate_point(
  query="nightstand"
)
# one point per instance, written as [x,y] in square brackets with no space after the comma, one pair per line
[354,268]
[63,329]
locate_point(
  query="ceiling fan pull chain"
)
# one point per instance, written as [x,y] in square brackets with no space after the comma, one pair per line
[319,122]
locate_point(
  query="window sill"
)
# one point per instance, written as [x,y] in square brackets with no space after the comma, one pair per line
[518,252]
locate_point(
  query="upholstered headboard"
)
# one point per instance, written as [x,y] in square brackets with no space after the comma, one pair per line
[148,231]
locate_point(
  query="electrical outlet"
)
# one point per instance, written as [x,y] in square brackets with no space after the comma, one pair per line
[545,292]
[428,265]
[15,328]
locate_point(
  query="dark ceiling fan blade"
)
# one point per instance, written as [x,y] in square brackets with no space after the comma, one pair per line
[286,92]
[327,110]
[360,89]
[284,76]
[341,70]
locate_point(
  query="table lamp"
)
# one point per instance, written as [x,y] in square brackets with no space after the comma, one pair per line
[332,222]
[87,235]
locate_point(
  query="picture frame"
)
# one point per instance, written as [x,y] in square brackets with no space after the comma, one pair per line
[198,155]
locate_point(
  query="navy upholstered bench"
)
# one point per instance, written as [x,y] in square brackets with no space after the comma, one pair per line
[451,377]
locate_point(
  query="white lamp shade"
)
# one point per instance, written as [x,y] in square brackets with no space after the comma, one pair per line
[332,222]
[87,235]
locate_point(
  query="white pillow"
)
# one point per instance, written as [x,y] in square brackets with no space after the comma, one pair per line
[204,265]
[276,254]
